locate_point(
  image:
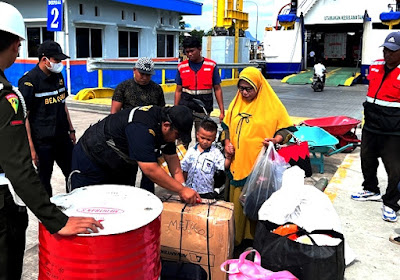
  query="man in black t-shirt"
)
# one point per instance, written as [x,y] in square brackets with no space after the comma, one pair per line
[139,91]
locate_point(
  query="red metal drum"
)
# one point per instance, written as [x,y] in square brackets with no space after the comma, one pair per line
[127,248]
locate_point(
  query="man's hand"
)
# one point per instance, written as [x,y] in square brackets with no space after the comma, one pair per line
[72,136]
[189,195]
[221,116]
[35,158]
[77,225]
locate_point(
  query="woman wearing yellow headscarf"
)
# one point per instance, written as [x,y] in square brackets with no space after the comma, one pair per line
[255,117]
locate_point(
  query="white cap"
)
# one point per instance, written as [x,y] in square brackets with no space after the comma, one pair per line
[11,20]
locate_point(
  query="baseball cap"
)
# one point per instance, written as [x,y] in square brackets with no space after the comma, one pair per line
[392,41]
[51,49]
[145,66]
[182,119]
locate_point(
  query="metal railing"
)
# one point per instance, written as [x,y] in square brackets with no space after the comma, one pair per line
[104,64]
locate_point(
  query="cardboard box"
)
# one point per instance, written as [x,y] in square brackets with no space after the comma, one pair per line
[187,225]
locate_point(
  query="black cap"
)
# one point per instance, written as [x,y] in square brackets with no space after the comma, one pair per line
[182,119]
[51,49]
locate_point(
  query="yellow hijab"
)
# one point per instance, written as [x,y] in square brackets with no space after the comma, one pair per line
[250,122]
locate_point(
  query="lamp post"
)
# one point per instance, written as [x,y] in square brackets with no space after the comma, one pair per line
[255,54]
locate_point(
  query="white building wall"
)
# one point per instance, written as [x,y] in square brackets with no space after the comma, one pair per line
[345,11]
[110,21]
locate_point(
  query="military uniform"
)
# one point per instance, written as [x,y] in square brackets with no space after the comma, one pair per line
[45,99]
[15,159]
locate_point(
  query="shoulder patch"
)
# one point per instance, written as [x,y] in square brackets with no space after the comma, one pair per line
[29,84]
[14,101]
[145,108]
[152,132]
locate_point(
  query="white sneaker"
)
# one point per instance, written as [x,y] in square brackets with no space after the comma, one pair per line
[366,195]
[388,214]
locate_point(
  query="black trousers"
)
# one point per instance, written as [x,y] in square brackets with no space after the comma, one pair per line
[145,182]
[57,149]
[13,224]
[386,147]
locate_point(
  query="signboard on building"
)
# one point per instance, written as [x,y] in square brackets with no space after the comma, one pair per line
[54,15]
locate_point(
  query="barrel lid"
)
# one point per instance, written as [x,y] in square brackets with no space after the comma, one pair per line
[119,208]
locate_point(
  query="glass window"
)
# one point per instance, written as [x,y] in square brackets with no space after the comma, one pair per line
[81,9]
[36,36]
[88,43]
[128,44]
[134,16]
[165,45]
[96,11]
[160,45]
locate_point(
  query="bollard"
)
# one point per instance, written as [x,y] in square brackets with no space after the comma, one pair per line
[321,184]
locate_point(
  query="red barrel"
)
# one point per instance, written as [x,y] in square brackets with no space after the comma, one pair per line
[111,254]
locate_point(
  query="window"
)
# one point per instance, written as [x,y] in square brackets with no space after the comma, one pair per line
[96,11]
[162,20]
[134,16]
[165,45]
[170,21]
[88,43]
[128,44]
[123,15]
[36,36]
[81,9]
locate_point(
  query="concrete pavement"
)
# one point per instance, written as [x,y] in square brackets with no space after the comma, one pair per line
[363,227]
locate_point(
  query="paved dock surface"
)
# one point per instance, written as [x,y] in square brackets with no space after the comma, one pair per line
[365,231]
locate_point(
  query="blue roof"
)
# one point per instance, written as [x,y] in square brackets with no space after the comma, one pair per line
[185,7]
[252,39]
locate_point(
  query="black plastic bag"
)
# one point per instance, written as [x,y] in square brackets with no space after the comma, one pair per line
[306,262]
[182,271]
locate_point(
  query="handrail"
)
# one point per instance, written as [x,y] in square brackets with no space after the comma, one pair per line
[101,64]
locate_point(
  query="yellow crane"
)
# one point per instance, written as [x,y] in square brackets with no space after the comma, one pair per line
[227,16]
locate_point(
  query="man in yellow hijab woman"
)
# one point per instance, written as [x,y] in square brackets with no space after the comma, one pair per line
[255,117]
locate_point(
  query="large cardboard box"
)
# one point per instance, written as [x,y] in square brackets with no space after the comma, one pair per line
[184,231]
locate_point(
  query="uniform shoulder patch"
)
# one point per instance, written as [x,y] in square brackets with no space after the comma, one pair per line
[152,132]
[14,101]
[29,84]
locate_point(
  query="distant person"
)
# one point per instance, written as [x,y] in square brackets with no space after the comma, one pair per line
[16,161]
[197,77]
[109,149]
[139,91]
[381,130]
[50,131]
[320,71]
[204,160]
[312,56]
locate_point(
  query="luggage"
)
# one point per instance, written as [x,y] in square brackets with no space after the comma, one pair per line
[306,262]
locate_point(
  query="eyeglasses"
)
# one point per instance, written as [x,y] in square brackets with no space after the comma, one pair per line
[248,89]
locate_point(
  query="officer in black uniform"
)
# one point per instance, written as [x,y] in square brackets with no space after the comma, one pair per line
[15,159]
[50,131]
[106,151]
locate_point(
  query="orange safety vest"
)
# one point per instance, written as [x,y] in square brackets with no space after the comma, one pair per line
[200,82]
[387,92]
[382,106]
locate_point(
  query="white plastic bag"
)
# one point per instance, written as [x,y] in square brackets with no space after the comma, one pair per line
[265,179]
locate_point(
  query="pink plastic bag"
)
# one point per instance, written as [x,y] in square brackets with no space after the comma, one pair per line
[243,269]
